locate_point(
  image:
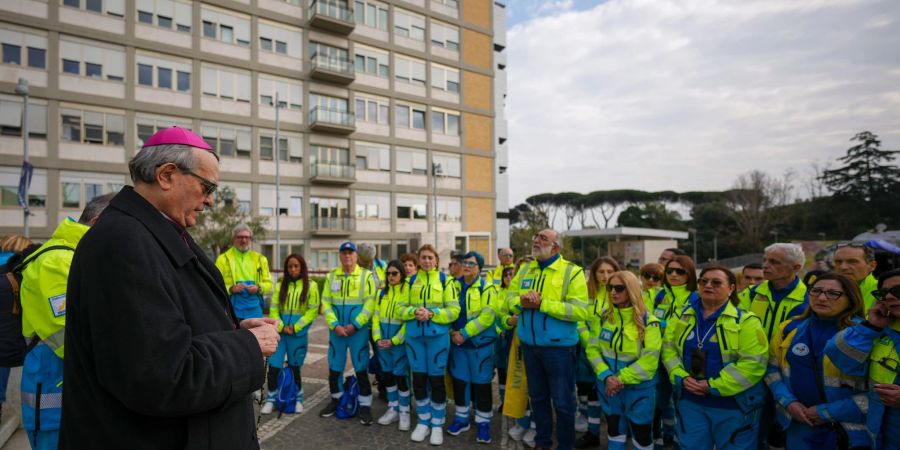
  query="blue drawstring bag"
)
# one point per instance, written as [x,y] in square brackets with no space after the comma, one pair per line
[286,393]
[349,404]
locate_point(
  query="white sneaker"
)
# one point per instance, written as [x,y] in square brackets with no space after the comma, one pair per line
[267,408]
[404,422]
[419,433]
[390,416]
[298,408]
[437,436]
[528,438]
[516,432]
[581,423]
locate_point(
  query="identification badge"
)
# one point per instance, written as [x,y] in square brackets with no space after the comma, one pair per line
[58,305]
[526,283]
[606,335]
[335,286]
[660,313]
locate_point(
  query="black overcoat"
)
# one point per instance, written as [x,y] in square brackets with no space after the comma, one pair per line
[154,358]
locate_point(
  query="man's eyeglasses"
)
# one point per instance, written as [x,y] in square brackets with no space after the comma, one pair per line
[714,282]
[392,273]
[884,292]
[617,288]
[469,264]
[209,187]
[830,294]
[850,244]
[676,271]
[651,276]
[506,255]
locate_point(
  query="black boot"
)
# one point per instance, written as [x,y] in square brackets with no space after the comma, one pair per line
[588,440]
[365,415]
[330,409]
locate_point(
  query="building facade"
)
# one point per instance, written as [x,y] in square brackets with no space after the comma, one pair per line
[388,112]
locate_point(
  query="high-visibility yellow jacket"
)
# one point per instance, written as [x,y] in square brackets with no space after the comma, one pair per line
[670,301]
[762,305]
[591,326]
[867,287]
[495,276]
[348,298]
[239,266]
[616,349]
[292,312]
[43,291]
[387,322]
[436,292]
[481,317]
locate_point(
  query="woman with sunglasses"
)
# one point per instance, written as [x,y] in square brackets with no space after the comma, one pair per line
[389,333]
[501,346]
[817,403]
[869,349]
[715,355]
[295,306]
[585,378]
[651,282]
[624,350]
[678,289]
[472,353]
[429,309]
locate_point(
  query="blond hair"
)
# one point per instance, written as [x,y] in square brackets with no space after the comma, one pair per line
[14,243]
[635,297]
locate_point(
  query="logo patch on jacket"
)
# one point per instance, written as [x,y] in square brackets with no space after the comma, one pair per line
[800,349]
[58,305]
[606,335]
[526,283]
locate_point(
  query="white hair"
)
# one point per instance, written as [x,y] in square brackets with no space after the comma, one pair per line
[241,227]
[793,253]
[558,240]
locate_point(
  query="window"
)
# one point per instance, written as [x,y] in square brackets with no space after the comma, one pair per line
[373,205]
[371,14]
[9,187]
[145,74]
[99,60]
[228,141]
[409,70]
[281,47]
[372,61]
[23,49]
[291,201]
[374,110]
[409,25]
[334,156]
[167,14]
[409,116]
[412,161]
[290,93]
[449,209]
[225,27]
[444,35]
[290,148]
[371,156]
[79,188]
[148,125]
[329,109]
[164,77]
[265,44]
[449,3]
[145,17]
[449,164]
[412,206]
[445,122]
[165,70]
[323,259]
[330,57]
[184,81]
[115,8]
[11,111]
[92,127]
[444,78]
[225,84]
[280,39]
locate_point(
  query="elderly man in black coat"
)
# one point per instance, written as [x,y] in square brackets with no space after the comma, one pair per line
[155,357]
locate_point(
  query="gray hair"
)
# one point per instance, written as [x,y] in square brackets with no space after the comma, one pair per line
[144,164]
[558,240]
[95,207]
[365,250]
[793,253]
[241,227]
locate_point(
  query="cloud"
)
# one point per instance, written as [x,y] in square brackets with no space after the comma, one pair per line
[689,94]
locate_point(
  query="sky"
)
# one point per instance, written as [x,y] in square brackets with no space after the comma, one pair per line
[690,94]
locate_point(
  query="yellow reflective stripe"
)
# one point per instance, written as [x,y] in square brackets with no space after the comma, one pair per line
[848,350]
[772,378]
[570,311]
[854,426]
[832,381]
[738,377]
[597,361]
[57,339]
[640,371]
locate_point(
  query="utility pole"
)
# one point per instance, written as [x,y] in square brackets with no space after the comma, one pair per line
[22,89]
[277,151]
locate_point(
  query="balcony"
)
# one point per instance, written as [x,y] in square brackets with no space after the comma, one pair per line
[330,120]
[325,173]
[329,68]
[332,226]
[331,15]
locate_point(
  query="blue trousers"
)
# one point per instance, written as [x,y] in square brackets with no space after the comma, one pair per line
[472,364]
[428,354]
[393,360]
[42,367]
[551,378]
[43,440]
[357,344]
[294,346]
[702,427]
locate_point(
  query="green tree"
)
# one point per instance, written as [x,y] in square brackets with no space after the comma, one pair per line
[214,226]
[866,171]
[651,215]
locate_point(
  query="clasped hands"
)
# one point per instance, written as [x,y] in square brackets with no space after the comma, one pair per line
[251,289]
[423,314]
[695,386]
[530,300]
[805,414]
[265,331]
[345,330]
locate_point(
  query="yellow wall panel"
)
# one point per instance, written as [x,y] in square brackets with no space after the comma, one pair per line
[479,214]
[477,90]
[479,173]
[477,12]
[478,132]
[477,48]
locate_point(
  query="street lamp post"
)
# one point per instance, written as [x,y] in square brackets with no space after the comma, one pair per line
[693,231]
[277,152]
[22,89]
[435,171]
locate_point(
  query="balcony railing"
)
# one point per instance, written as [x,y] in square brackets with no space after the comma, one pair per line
[332,173]
[332,225]
[332,15]
[330,68]
[333,120]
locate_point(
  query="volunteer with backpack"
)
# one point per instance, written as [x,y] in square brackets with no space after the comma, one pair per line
[818,405]
[624,348]
[348,302]
[429,309]
[715,355]
[388,331]
[679,288]
[295,306]
[472,353]
[43,297]
[12,346]
[501,345]
[246,275]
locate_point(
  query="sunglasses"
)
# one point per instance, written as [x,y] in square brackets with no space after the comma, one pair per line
[469,264]
[617,288]
[392,273]
[830,294]
[506,255]
[209,188]
[676,271]
[651,276]
[884,292]
[714,282]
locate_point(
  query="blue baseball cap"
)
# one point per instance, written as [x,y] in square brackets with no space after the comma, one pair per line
[348,246]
